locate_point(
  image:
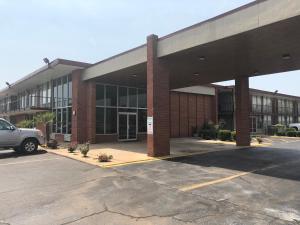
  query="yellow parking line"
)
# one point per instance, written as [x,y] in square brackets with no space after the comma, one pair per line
[31,161]
[200,185]
[150,160]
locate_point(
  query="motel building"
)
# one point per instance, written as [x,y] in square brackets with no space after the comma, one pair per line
[162,89]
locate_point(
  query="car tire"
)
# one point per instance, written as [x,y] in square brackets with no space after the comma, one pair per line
[17,150]
[29,146]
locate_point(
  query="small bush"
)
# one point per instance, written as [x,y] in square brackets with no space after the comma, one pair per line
[291,133]
[104,157]
[298,133]
[233,135]
[26,124]
[290,129]
[85,149]
[52,144]
[72,148]
[224,135]
[281,133]
[208,131]
[259,140]
[208,134]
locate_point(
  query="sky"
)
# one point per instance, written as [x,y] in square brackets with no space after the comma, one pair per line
[92,30]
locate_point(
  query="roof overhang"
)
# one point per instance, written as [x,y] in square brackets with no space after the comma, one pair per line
[55,69]
[216,33]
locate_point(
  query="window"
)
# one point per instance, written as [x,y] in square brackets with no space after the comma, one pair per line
[65,91]
[281,120]
[289,119]
[267,104]
[132,97]
[122,97]
[111,121]
[4,125]
[99,95]
[62,104]
[142,120]
[99,120]
[256,103]
[142,98]
[281,106]
[267,120]
[111,96]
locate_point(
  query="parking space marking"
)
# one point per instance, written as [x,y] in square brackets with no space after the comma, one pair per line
[205,184]
[201,185]
[31,161]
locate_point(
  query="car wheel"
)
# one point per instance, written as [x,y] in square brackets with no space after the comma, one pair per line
[17,149]
[29,146]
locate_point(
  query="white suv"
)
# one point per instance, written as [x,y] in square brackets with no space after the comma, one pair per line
[295,125]
[20,139]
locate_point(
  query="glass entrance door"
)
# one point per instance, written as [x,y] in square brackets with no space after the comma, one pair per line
[127,126]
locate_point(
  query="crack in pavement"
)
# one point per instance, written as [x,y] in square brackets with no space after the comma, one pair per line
[106,209]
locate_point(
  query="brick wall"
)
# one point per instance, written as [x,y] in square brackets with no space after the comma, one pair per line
[190,110]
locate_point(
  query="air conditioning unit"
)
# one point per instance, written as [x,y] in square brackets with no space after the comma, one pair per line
[68,137]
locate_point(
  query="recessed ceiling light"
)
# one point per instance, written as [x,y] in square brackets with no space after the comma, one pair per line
[196,74]
[201,58]
[134,75]
[286,56]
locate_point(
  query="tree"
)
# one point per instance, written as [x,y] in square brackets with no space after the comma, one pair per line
[46,119]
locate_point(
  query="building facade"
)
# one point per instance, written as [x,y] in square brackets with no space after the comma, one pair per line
[266,109]
[117,112]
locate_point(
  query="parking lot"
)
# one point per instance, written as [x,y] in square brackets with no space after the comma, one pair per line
[249,186]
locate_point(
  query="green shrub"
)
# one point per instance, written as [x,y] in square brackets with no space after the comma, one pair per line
[208,134]
[291,133]
[290,129]
[224,135]
[298,133]
[259,140]
[233,135]
[281,133]
[26,124]
[72,147]
[279,129]
[104,157]
[85,149]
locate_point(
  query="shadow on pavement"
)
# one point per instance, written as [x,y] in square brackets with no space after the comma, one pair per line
[280,163]
[4,154]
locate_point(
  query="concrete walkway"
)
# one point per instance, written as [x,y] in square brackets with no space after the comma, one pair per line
[136,152]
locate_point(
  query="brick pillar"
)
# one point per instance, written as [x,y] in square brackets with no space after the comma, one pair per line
[91,112]
[158,143]
[83,109]
[242,99]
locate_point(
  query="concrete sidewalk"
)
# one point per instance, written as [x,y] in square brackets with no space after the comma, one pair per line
[136,152]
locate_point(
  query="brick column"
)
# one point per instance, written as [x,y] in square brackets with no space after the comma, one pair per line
[83,109]
[158,143]
[242,99]
[91,112]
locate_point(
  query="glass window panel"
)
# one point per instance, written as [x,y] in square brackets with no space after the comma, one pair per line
[123,97]
[65,91]
[111,121]
[142,120]
[70,90]
[54,94]
[111,95]
[99,95]
[142,98]
[58,129]
[99,120]
[132,97]
[69,120]
[64,120]
[59,93]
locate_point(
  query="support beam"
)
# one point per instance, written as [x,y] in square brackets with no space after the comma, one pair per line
[242,99]
[158,138]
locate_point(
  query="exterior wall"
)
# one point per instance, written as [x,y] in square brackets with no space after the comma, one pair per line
[188,111]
